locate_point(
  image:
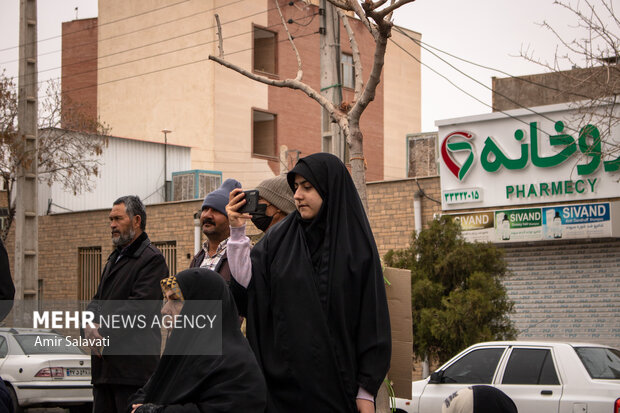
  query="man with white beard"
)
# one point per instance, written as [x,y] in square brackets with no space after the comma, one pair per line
[133,272]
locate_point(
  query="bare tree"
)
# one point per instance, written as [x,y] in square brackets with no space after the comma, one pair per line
[377,19]
[65,156]
[593,82]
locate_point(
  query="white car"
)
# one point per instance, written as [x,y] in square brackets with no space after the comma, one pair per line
[540,377]
[40,369]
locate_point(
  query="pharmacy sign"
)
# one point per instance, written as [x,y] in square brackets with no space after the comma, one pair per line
[499,159]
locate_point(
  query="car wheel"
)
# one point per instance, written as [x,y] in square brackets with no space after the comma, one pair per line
[16,407]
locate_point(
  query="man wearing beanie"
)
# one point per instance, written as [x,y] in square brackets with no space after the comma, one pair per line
[275,203]
[215,225]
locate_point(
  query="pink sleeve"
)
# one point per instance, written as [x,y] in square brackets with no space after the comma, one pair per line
[363,394]
[238,253]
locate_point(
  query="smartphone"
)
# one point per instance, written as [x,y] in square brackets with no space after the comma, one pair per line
[251,202]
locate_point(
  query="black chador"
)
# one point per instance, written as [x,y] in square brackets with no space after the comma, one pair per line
[230,382]
[318,317]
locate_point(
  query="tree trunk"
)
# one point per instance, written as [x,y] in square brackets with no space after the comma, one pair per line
[358,162]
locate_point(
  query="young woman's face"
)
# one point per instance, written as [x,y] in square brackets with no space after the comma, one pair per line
[307,198]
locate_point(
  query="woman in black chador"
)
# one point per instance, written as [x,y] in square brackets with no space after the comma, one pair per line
[318,318]
[187,382]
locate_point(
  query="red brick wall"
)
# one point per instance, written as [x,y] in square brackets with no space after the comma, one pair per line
[79,70]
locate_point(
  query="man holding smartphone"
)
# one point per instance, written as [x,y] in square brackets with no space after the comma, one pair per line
[215,225]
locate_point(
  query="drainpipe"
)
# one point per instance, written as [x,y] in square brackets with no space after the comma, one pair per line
[417,211]
[197,236]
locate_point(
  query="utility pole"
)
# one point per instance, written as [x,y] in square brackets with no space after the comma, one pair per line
[26,221]
[331,83]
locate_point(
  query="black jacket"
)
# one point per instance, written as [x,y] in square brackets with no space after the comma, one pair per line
[135,276]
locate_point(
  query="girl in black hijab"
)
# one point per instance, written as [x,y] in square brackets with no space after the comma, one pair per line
[186,382]
[318,318]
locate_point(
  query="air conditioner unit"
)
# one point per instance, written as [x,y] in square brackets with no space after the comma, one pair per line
[194,184]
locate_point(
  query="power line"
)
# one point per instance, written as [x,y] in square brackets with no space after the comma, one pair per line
[100,25]
[123,34]
[150,44]
[479,82]
[474,97]
[523,79]
[173,67]
[139,30]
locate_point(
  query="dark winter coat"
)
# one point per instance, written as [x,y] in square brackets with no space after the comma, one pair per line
[135,276]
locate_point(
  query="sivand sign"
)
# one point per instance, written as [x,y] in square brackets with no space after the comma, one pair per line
[523,158]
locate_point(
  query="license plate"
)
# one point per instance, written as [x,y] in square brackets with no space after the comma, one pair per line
[78,372]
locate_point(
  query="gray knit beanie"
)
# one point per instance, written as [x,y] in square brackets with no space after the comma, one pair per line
[277,192]
[218,199]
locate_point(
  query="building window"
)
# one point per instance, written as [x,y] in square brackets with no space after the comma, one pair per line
[263,133]
[89,263]
[348,71]
[265,51]
[169,249]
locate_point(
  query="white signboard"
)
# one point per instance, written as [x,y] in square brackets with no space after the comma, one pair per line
[574,221]
[525,158]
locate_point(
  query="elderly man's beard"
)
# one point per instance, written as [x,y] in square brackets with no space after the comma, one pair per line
[120,239]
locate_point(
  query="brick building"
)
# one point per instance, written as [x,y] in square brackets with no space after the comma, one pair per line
[528,180]
[150,72]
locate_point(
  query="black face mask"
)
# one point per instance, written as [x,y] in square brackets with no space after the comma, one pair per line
[260,219]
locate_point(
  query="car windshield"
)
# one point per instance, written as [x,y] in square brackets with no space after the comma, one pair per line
[601,362]
[46,344]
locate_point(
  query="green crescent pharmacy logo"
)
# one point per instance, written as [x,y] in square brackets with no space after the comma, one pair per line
[447,148]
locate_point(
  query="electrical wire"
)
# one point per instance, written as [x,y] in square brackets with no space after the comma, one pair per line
[99,25]
[523,79]
[40,83]
[99,40]
[479,82]
[467,93]
[172,67]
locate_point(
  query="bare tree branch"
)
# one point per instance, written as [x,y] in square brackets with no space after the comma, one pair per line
[375,16]
[357,59]
[300,72]
[220,43]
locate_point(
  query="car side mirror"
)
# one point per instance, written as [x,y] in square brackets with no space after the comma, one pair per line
[436,377]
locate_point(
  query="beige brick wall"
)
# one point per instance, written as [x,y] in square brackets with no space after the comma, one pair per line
[390,206]
[61,235]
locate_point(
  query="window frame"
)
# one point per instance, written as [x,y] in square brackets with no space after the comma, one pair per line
[352,71]
[549,356]
[275,135]
[460,358]
[256,27]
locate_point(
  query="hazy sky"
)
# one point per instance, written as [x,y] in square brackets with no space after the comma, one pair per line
[487,32]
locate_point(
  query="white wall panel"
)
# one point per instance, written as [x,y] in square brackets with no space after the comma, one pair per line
[128,167]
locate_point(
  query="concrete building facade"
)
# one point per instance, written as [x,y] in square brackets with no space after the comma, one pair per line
[153,73]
